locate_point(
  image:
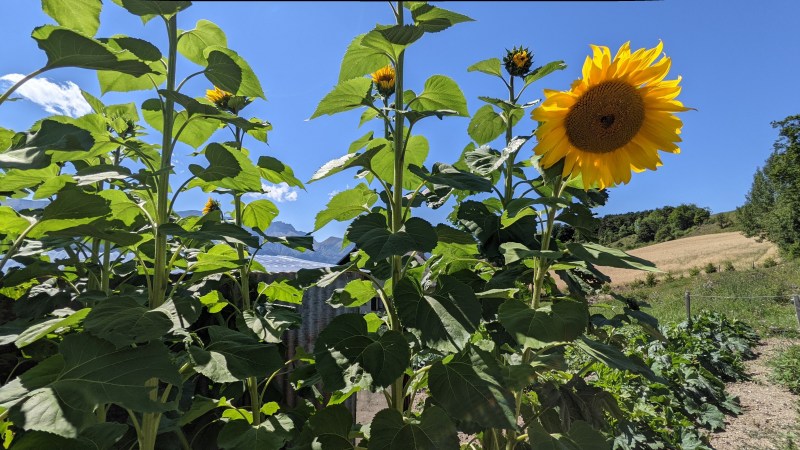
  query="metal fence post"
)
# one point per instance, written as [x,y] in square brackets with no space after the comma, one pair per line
[796,301]
[688,298]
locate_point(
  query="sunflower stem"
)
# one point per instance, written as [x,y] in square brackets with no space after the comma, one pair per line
[397,201]
[509,191]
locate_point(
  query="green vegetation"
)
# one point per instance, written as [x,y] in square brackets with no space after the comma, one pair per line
[772,206]
[786,368]
[684,390]
[726,292]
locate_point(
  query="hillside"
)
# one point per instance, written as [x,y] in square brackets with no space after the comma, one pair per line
[680,256]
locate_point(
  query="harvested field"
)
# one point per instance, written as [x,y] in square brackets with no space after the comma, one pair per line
[681,255]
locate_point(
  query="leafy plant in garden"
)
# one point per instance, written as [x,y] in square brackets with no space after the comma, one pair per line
[122,326]
[149,330]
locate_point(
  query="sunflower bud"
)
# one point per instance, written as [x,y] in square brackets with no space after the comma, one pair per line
[518,61]
[226,101]
[211,205]
[384,80]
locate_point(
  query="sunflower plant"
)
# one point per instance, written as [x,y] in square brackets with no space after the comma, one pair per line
[135,326]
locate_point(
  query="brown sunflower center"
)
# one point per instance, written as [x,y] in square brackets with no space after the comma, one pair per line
[605,118]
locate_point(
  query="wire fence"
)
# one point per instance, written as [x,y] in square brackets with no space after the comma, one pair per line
[688,297]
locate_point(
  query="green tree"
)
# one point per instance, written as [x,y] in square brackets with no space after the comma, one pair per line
[772,207]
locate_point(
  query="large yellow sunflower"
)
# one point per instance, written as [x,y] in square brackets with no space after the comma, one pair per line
[614,119]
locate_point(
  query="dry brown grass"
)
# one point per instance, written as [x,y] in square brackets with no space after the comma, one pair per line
[681,255]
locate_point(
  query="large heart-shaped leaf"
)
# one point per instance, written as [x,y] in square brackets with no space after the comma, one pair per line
[346,205]
[470,388]
[442,317]
[123,321]
[441,93]
[82,16]
[233,356]
[67,48]
[60,394]
[347,354]
[562,321]
[370,234]
[193,42]
[230,72]
[345,96]
[433,430]
[360,60]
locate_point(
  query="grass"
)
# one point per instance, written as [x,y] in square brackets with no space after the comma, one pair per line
[727,292]
[786,368]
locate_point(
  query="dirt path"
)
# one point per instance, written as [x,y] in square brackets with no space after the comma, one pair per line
[769,419]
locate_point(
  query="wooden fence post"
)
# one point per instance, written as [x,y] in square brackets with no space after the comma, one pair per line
[796,301]
[688,298]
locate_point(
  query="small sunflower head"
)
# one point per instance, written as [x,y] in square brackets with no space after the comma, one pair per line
[518,61]
[226,101]
[211,205]
[383,79]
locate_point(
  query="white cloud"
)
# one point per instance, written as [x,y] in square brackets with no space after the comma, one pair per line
[280,193]
[65,99]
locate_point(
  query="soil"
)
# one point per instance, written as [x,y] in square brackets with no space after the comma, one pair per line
[769,419]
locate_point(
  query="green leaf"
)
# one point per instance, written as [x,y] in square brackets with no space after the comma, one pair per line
[442,318]
[147,9]
[282,291]
[614,358]
[42,329]
[347,354]
[346,205]
[562,321]
[228,168]
[194,131]
[204,34]
[13,223]
[581,436]
[214,302]
[540,72]
[447,175]
[60,394]
[330,428]
[258,214]
[67,48]
[270,326]
[82,16]
[382,163]
[370,234]
[345,162]
[359,60]
[489,66]
[345,96]
[136,49]
[70,208]
[34,150]
[401,34]
[230,72]
[100,436]
[277,172]
[233,356]
[441,93]
[433,19]
[272,434]
[123,321]
[354,294]
[432,431]
[604,256]
[219,258]
[470,388]
[486,125]
[514,251]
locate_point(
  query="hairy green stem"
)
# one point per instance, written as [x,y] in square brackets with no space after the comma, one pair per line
[541,270]
[398,393]
[509,188]
[17,242]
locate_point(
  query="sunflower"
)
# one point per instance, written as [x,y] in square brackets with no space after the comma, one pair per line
[384,80]
[613,120]
[211,205]
[518,61]
[218,97]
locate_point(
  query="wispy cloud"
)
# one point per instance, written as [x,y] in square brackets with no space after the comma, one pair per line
[55,98]
[280,193]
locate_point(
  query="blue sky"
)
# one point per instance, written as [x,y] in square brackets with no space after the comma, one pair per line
[739,60]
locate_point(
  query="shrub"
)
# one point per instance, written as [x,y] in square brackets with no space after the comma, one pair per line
[710,268]
[729,267]
[786,368]
[650,280]
[769,262]
[694,271]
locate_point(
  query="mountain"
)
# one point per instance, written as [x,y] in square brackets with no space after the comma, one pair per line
[328,251]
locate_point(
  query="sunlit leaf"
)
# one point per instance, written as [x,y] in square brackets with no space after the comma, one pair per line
[192,43]
[346,205]
[82,16]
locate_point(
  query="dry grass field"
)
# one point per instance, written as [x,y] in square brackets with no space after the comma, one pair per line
[681,255]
